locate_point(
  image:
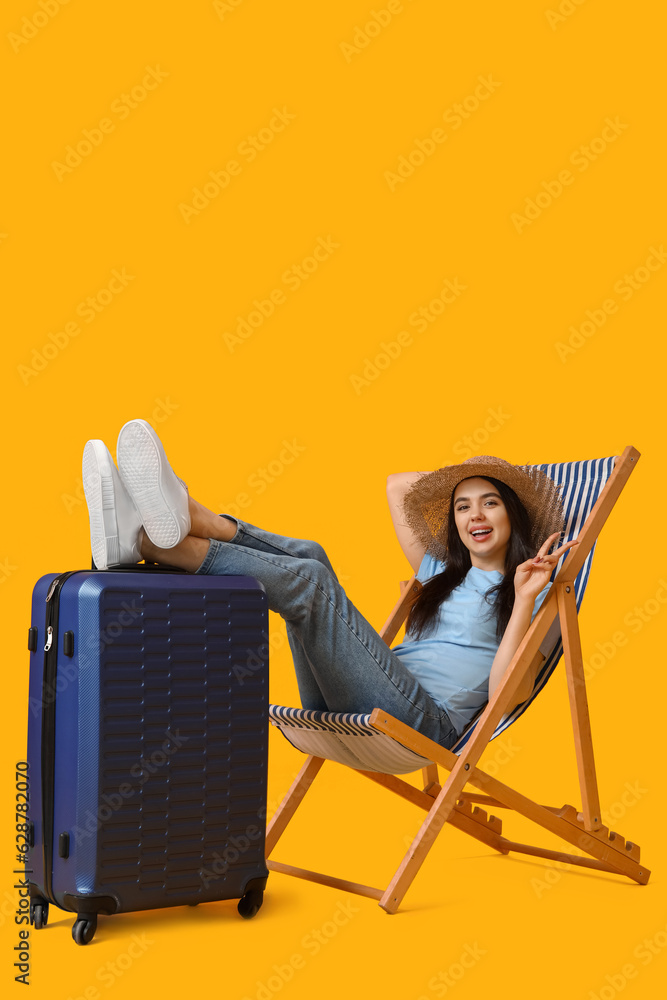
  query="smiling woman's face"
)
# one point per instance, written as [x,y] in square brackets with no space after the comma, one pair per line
[479,508]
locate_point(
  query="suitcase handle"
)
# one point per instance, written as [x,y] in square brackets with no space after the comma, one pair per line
[147,567]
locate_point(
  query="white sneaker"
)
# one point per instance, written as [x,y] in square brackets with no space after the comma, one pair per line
[158,494]
[115,525]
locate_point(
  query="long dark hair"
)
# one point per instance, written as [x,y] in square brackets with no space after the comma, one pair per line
[423,613]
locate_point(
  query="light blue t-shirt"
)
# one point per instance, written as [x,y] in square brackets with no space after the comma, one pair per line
[454,663]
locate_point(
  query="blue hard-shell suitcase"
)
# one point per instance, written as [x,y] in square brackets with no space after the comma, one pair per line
[147,742]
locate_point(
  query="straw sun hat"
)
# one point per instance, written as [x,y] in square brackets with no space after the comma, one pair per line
[426,502]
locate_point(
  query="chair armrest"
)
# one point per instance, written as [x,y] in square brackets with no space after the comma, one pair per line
[409,592]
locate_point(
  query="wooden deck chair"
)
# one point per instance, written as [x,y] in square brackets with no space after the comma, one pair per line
[379,746]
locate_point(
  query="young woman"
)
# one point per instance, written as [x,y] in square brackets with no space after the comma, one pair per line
[470,536]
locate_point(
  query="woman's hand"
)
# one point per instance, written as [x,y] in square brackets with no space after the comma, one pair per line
[532,576]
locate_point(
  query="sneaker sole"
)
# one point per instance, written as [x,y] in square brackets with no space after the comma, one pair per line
[98,489]
[141,465]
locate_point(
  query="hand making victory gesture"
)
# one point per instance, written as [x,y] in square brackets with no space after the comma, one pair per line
[533,575]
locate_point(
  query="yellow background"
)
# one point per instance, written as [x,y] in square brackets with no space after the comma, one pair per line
[158,351]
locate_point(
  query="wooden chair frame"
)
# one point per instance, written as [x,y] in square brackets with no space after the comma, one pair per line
[448,802]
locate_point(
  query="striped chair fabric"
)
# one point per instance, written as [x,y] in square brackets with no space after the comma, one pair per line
[350,739]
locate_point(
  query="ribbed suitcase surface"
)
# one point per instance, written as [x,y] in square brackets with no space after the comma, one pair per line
[161,740]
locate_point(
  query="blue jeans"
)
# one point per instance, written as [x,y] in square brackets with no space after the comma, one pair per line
[341,663]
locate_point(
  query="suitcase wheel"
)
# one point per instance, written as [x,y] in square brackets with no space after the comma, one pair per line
[84,927]
[249,904]
[39,913]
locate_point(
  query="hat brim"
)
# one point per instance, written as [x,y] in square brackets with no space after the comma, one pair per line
[426,503]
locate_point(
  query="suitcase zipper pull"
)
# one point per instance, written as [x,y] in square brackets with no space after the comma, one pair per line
[54,584]
[49,639]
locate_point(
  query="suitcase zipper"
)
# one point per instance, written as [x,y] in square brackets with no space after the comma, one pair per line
[49,728]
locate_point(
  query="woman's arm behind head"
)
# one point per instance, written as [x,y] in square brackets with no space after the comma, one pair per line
[398,483]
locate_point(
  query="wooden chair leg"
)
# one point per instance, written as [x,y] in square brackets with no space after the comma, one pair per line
[422,843]
[430,776]
[291,801]
[576,687]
